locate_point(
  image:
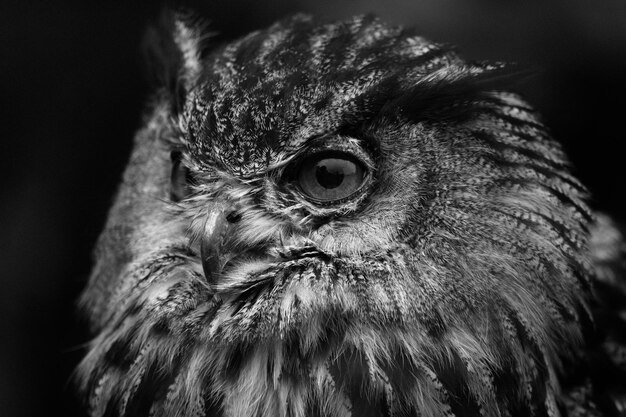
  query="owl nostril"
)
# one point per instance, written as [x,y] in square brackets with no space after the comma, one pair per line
[233,217]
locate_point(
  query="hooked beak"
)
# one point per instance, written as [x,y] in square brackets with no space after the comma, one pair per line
[212,243]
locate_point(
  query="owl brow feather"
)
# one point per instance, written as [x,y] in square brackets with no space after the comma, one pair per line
[446,94]
[449,93]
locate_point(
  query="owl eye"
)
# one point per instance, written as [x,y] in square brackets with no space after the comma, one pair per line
[180,179]
[330,176]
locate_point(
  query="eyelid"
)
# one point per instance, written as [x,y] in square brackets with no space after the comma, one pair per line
[331,143]
[338,143]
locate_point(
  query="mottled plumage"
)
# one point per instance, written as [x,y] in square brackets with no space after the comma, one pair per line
[456,279]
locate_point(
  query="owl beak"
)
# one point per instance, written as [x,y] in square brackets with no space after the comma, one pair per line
[212,242]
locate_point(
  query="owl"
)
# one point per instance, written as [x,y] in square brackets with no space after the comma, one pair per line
[347,219]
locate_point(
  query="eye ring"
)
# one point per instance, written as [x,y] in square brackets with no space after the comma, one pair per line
[331,177]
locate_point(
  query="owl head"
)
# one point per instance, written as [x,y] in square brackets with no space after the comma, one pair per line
[339,219]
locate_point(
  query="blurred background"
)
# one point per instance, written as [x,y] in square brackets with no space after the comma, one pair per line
[71,96]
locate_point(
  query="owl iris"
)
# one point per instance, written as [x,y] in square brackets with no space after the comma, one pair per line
[330,176]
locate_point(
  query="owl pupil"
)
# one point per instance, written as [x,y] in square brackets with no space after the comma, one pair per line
[330,173]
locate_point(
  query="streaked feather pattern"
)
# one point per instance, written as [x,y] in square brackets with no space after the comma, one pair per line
[459,285]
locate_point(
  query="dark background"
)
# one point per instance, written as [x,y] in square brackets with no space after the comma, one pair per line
[71,96]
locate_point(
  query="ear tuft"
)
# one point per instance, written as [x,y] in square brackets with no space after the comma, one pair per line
[190,35]
[173,49]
